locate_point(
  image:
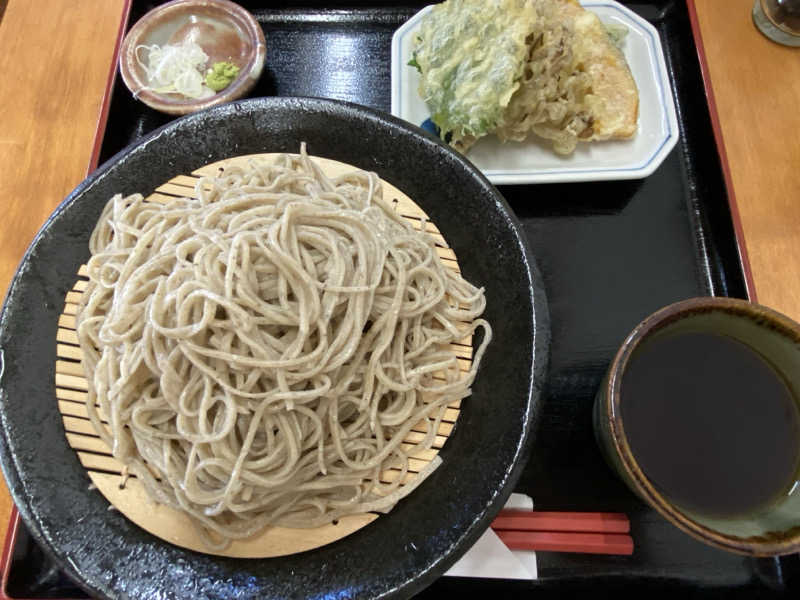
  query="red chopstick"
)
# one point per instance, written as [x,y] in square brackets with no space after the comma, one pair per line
[539,520]
[558,541]
[587,532]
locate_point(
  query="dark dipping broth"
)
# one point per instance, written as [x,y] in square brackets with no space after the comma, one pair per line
[711,423]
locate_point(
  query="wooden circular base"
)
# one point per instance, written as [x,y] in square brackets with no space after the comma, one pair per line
[126,493]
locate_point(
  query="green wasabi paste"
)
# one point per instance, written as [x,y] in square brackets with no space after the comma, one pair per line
[220,75]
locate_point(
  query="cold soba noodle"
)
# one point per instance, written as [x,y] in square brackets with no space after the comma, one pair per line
[261,352]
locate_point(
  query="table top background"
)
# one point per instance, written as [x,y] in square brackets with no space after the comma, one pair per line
[56,64]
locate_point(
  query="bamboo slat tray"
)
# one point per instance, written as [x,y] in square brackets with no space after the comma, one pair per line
[126,493]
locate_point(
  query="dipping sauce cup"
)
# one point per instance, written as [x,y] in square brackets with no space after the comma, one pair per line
[699,414]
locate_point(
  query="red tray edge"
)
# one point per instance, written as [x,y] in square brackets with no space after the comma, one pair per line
[741,244]
[100,128]
[102,121]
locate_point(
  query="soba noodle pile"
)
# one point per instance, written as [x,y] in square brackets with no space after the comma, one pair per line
[260,352]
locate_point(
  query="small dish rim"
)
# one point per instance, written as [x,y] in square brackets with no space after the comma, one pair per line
[248,77]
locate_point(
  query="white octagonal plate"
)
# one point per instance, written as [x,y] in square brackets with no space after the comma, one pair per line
[533,161]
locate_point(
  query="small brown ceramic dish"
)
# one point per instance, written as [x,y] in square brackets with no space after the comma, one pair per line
[773,530]
[224,30]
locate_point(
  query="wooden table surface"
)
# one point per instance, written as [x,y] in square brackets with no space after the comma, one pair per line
[55,64]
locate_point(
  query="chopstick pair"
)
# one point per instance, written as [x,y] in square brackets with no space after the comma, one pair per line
[586,532]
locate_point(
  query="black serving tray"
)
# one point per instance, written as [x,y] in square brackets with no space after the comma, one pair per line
[610,253]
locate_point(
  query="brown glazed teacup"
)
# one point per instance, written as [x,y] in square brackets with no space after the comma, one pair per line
[776,339]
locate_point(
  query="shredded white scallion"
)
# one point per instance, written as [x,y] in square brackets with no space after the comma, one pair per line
[175,69]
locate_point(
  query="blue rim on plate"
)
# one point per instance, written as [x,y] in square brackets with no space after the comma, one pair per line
[399,553]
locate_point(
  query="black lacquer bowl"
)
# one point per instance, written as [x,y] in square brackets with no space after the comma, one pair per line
[399,553]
